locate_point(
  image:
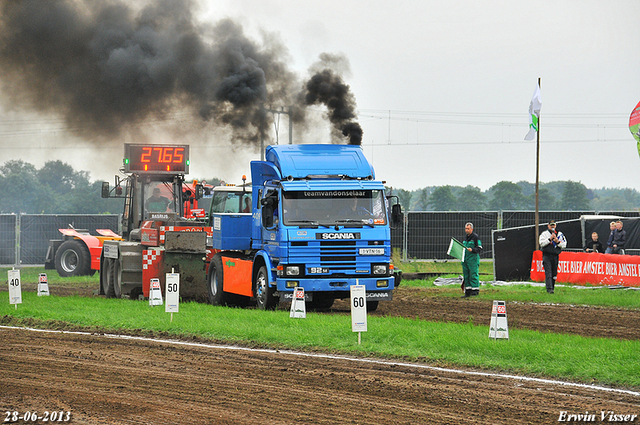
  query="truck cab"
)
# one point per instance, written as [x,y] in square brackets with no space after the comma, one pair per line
[320,221]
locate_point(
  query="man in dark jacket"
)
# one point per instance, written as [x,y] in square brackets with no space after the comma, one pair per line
[551,243]
[471,263]
[619,238]
[594,245]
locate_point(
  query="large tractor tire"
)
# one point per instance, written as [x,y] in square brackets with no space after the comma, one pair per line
[112,274]
[73,259]
[216,279]
[264,292]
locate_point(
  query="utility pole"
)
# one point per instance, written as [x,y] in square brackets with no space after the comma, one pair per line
[537,219]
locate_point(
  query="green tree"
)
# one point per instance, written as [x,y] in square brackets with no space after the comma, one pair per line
[574,197]
[404,197]
[506,195]
[442,199]
[423,199]
[471,198]
[20,189]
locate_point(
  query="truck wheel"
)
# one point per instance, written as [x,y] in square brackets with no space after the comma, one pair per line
[372,305]
[104,282]
[320,302]
[216,295]
[264,292]
[73,259]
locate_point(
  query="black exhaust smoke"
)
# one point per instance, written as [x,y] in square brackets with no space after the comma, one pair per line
[106,67]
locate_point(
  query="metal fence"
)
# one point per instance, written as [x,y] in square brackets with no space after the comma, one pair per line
[25,238]
[425,235]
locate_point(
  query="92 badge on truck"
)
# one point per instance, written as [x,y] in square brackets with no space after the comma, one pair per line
[318,270]
[371,251]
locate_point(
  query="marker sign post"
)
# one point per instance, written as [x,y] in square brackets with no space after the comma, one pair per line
[43,285]
[15,288]
[498,327]
[358,310]
[155,294]
[172,292]
[298,307]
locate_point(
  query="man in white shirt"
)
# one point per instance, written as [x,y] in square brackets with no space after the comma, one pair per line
[551,244]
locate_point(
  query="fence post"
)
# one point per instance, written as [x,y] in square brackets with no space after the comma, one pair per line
[405,235]
[17,254]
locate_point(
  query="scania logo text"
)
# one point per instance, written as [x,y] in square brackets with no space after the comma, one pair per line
[338,235]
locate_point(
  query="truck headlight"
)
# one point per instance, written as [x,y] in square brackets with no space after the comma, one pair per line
[380,269]
[292,270]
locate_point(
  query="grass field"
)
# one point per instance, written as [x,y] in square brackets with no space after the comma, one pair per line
[610,361]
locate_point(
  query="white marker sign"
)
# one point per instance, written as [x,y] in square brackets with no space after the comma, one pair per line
[155,294]
[358,308]
[298,306]
[43,285]
[172,292]
[15,289]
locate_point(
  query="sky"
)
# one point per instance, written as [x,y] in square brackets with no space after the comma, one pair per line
[442,92]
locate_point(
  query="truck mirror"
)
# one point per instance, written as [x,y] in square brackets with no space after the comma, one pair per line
[396,214]
[105,189]
[199,191]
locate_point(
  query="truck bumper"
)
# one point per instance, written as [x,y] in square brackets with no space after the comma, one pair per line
[338,288]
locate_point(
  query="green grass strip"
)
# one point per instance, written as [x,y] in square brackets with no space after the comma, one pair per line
[591,360]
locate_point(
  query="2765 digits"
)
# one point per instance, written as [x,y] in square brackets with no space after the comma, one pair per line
[55,416]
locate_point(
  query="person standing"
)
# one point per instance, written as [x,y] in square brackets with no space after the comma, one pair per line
[619,238]
[612,229]
[471,263]
[551,243]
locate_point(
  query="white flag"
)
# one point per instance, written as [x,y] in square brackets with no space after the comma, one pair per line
[534,114]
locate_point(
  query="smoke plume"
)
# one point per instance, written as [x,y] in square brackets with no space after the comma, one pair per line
[327,87]
[105,67]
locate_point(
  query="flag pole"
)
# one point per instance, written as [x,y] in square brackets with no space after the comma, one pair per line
[537,215]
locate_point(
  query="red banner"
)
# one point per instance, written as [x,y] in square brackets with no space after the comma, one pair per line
[581,268]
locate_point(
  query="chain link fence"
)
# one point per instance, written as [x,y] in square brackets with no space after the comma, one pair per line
[25,238]
[424,235]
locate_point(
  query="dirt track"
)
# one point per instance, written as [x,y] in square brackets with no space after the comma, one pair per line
[104,380]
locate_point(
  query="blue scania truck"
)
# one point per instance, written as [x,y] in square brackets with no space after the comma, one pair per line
[319,221]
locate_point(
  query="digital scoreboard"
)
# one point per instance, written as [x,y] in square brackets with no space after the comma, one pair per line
[156,159]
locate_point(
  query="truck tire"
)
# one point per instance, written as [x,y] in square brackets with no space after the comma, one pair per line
[372,306]
[216,280]
[264,292]
[73,259]
[320,302]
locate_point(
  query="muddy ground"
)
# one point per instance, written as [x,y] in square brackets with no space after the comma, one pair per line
[103,380]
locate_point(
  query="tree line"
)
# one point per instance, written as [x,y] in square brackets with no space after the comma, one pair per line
[57,188]
[506,195]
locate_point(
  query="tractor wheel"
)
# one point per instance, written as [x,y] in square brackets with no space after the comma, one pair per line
[216,279]
[116,278]
[108,277]
[264,292]
[73,259]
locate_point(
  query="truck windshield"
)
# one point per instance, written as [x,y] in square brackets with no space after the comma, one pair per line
[159,198]
[359,207]
[237,201]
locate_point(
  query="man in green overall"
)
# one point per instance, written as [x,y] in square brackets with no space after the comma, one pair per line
[471,262]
